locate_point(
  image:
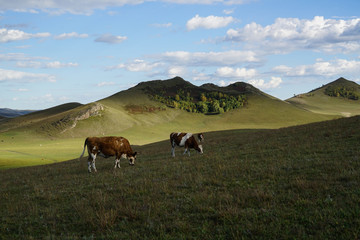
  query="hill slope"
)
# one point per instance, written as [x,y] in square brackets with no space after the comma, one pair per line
[292,183]
[327,99]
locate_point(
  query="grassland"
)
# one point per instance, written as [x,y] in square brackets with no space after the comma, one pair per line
[300,182]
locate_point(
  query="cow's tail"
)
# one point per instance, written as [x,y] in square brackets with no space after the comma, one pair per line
[82,154]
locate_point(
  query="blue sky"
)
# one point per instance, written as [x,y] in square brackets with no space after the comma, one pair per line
[54,52]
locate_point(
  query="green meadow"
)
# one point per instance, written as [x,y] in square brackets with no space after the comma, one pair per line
[299,182]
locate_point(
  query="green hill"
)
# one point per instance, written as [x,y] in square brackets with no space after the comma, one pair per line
[299,182]
[55,134]
[340,97]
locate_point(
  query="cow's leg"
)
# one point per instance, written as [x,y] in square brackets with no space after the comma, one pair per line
[89,166]
[117,162]
[187,150]
[173,151]
[173,148]
[92,162]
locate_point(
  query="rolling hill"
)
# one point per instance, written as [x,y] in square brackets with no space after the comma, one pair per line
[340,97]
[134,113]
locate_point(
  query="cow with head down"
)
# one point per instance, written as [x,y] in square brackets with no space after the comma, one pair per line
[108,147]
[186,140]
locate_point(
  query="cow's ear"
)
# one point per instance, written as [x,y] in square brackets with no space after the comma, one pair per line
[135,154]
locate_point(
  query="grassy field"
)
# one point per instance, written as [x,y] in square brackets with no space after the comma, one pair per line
[299,182]
[42,143]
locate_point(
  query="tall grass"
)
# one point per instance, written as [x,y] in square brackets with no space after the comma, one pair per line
[301,182]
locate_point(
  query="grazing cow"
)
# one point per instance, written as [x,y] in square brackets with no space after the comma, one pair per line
[186,140]
[108,147]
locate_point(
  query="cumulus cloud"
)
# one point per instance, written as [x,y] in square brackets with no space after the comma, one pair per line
[111,39]
[11,35]
[18,76]
[210,22]
[287,34]
[241,73]
[260,83]
[71,35]
[176,71]
[321,68]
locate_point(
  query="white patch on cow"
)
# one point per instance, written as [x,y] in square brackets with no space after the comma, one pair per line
[179,133]
[94,148]
[123,155]
[184,138]
[121,144]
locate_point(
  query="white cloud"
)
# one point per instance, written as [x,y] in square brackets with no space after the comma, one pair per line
[19,57]
[228,72]
[287,34]
[11,75]
[103,84]
[260,83]
[22,90]
[335,67]
[11,35]
[109,38]
[71,35]
[35,64]
[162,25]
[176,71]
[138,65]
[210,22]
[209,58]
[87,7]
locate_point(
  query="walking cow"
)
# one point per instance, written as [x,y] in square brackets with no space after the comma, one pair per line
[108,147]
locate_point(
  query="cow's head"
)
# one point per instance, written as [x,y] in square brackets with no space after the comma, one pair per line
[199,148]
[201,137]
[132,159]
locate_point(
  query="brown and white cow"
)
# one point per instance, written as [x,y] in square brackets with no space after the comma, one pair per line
[186,140]
[108,147]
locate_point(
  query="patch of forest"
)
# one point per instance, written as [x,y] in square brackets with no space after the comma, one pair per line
[209,102]
[342,91]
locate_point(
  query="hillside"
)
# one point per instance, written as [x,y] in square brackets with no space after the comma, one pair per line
[133,112]
[57,134]
[340,97]
[291,183]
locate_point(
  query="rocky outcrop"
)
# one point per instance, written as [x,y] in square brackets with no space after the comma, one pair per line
[92,110]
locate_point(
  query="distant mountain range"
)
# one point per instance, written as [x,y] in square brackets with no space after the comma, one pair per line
[10,113]
[138,113]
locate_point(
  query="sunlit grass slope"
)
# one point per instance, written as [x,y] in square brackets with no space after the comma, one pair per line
[291,183]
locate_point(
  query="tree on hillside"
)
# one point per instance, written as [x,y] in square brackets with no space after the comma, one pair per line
[210,102]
